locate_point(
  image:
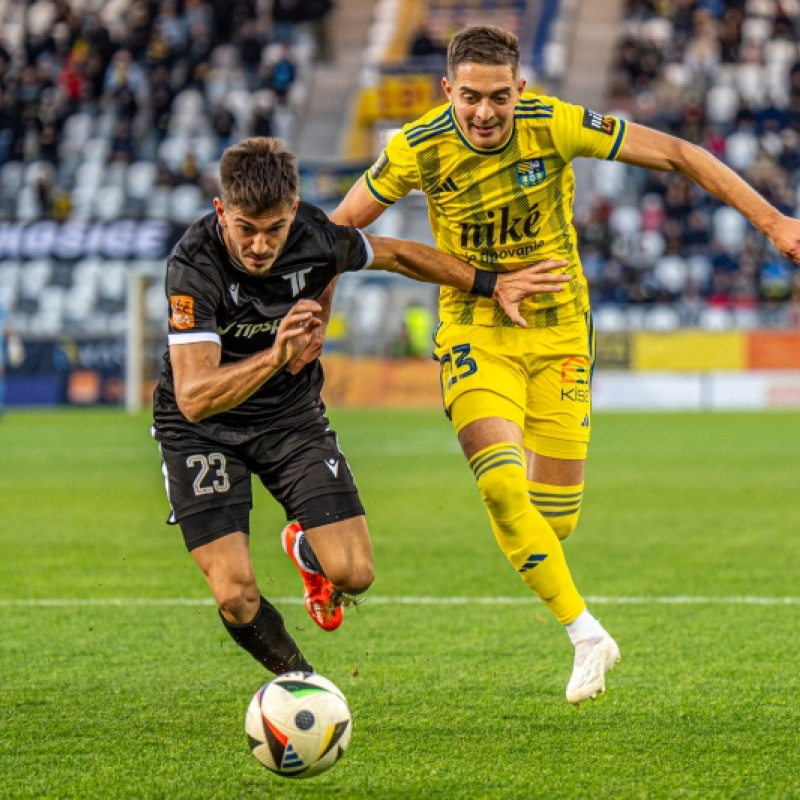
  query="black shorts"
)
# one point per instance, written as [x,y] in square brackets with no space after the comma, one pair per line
[209,486]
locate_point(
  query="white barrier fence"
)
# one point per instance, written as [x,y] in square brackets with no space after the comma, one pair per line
[680,391]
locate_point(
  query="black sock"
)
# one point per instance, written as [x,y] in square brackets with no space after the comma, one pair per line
[268,641]
[308,556]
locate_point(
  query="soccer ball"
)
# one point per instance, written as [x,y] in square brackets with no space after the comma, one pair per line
[298,724]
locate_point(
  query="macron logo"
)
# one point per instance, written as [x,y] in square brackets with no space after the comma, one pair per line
[234,290]
[333,465]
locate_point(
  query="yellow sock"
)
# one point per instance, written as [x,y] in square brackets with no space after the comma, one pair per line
[559,505]
[522,532]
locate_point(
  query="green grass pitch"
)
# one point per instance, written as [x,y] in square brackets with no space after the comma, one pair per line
[111,688]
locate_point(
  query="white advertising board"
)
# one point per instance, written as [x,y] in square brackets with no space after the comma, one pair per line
[755,390]
[650,391]
[681,391]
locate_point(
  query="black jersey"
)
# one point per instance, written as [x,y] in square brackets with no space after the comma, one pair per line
[213,299]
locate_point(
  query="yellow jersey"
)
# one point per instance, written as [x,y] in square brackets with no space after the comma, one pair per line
[504,208]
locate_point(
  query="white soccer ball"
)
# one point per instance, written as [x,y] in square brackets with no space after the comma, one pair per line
[298,724]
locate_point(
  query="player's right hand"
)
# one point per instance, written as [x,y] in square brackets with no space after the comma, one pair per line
[295,331]
[513,287]
[786,238]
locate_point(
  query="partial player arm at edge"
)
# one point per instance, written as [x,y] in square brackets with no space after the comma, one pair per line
[204,386]
[423,263]
[644,147]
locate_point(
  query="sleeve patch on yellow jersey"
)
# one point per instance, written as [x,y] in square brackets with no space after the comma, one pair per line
[597,122]
[379,166]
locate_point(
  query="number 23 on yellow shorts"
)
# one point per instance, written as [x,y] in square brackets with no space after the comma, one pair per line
[539,378]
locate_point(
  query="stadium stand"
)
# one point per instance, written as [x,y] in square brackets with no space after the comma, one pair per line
[115,112]
[657,250]
[85,86]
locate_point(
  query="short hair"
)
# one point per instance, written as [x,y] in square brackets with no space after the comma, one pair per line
[257,175]
[483,44]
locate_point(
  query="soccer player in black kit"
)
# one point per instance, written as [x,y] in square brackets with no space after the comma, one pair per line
[239,393]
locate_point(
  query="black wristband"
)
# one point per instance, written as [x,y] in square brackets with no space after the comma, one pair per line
[484,283]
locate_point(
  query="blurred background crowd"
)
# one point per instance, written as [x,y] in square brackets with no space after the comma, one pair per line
[725,75]
[106,106]
[119,110]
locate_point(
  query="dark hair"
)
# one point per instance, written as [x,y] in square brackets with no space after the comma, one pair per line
[483,44]
[257,175]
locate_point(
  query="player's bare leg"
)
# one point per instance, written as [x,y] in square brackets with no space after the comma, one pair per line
[253,622]
[558,471]
[335,562]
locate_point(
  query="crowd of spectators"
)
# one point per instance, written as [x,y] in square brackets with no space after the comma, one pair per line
[122,107]
[443,18]
[164,83]
[723,74]
[113,115]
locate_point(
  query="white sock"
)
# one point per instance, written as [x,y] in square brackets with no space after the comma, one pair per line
[583,628]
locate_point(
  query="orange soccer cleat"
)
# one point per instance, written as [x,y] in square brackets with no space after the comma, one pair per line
[321,599]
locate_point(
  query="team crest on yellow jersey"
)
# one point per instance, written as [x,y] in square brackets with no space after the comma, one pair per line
[531,173]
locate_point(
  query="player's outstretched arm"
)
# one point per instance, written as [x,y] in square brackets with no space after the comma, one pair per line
[652,149]
[204,386]
[423,263]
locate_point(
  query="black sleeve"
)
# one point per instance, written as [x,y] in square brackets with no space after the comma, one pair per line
[352,251]
[338,246]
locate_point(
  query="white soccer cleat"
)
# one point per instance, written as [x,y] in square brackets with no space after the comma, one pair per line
[593,659]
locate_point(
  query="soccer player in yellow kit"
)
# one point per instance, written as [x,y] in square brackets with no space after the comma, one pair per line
[494,163]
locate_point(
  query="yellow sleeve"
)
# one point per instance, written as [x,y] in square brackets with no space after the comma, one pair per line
[394,174]
[580,132]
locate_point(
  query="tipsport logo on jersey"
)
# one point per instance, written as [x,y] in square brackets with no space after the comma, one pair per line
[575,377]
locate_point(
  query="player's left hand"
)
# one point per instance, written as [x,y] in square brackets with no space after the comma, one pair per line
[312,352]
[294,332]
[513,287]
[314,348]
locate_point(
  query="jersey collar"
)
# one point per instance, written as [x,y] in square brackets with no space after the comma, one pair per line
[479,150]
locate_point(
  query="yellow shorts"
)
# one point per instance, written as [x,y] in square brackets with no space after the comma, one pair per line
[538,378]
